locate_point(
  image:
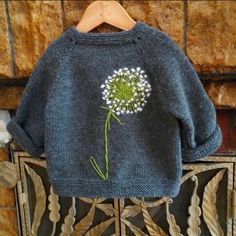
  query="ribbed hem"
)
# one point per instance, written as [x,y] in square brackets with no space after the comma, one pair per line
[136,187]
[21,137]
[106,37]
[208,148]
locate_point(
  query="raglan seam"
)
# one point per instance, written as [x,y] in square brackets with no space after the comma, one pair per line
[173,112]
[64,60]
[170,109]
[15,122]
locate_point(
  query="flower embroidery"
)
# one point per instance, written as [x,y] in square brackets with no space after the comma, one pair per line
[125,92]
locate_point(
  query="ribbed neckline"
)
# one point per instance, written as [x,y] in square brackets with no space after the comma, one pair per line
[106,37]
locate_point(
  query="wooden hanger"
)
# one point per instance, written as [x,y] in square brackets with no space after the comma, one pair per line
[110,12]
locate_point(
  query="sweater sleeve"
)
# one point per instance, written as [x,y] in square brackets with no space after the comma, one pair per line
[27,126]
[187,100]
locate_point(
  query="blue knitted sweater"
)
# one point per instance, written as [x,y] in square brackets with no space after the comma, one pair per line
[116,113]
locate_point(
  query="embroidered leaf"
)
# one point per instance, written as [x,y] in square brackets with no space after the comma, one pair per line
[194,212]
[209,204]
[67,227]
[40,196]
[153,229]
[173,227]
[84,224]
[117,119]
[100,228]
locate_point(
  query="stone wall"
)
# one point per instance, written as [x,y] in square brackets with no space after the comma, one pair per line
[205,30]
[8,219]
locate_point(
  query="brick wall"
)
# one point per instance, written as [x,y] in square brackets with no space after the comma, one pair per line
[205,30]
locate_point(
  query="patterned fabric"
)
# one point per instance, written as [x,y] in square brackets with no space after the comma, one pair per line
[116,114]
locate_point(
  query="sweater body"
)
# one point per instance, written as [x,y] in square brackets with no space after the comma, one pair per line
[146,148]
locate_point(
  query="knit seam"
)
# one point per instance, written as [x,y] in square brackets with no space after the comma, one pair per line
[64,60]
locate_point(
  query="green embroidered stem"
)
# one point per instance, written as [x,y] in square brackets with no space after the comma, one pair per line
[110,114]
[125,92]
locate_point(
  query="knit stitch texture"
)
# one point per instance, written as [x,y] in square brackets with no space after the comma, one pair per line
[60,113]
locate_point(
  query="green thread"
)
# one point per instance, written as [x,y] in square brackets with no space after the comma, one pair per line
[125,92]
[106,127]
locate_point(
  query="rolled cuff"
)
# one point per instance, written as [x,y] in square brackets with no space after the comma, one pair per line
[205,149]
[22,138]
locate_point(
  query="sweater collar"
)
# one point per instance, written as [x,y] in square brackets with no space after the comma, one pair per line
[107,37]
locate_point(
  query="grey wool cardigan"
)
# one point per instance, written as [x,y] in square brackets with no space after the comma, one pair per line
[116,113]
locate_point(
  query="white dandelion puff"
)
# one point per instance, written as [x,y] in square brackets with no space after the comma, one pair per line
[127,91]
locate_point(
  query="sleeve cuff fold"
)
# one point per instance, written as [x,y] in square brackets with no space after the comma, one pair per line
[205,149]
[22,138]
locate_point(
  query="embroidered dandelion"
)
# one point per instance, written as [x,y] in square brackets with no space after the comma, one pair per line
[125,92]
